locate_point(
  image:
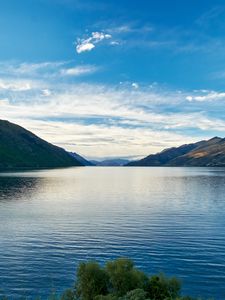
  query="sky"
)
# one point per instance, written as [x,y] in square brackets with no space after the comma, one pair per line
[114,78]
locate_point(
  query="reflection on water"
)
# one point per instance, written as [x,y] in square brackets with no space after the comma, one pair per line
[13,188]
[169,219]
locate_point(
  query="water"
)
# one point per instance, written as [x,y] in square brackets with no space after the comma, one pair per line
[166,219]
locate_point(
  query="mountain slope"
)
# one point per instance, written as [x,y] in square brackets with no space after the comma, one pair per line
[19,148]
[210,153]
[81,159]
[203,153]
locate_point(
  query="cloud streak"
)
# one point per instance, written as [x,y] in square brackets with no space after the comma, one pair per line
[207,96]
[14,86]
[79,70]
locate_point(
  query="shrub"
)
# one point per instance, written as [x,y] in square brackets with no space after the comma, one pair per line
[137,294]
[160,287]
[123,277]
[92,281]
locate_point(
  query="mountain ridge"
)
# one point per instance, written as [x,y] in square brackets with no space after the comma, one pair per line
[21,149]
[81,159]
[203,153]
[111,162]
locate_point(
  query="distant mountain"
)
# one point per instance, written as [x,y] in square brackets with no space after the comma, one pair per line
[19,148]
[81,159]
[115,162]
[203,153]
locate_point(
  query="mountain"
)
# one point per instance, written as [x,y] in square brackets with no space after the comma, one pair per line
[210,153]
[81,159]
[114,162]
[204,153]
[20,148]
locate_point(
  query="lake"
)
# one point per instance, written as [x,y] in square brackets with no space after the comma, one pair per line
[166,219]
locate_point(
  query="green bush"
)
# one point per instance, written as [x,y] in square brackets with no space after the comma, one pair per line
[120,280]
[137,294]
[92,280]
[68,295]
[160,287]
[123,277]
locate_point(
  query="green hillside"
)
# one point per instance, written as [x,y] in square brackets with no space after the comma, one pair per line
[19,148]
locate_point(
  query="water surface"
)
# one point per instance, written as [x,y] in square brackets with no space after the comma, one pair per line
[166,219]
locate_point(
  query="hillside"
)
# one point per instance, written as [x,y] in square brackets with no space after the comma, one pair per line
[209,153]
[19,148]
[81,159]
[203,153]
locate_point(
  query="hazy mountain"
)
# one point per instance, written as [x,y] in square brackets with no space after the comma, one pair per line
[203,153]
[114,162]
[19,148]
[81,159]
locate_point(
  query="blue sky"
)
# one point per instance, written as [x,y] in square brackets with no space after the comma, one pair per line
[109,78]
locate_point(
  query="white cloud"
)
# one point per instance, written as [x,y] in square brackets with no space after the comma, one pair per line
[99,36]
[31,68]
[84,46]
[189,98]
[115,43]
[46,92]
[130,28]
[15,85]
[88,44]
[4,101]
[79,70]
[210,96]
[135,85]
[25,69]
[122,29]
[42,72]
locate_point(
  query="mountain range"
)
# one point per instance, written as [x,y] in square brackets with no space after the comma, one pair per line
[21,149]
[113,162]
[209,153]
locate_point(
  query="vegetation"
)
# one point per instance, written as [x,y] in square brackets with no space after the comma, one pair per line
[120,280]
[209,153]
[19,148]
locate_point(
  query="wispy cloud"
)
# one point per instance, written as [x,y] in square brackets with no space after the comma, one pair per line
[126,28]
[207,96]
[175,39]
[211,16]
[11,71]
[87,44]
[18,85]
[46,92]
[135,85]
[108,120]
[31,69]
[112,120]
[79,70]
